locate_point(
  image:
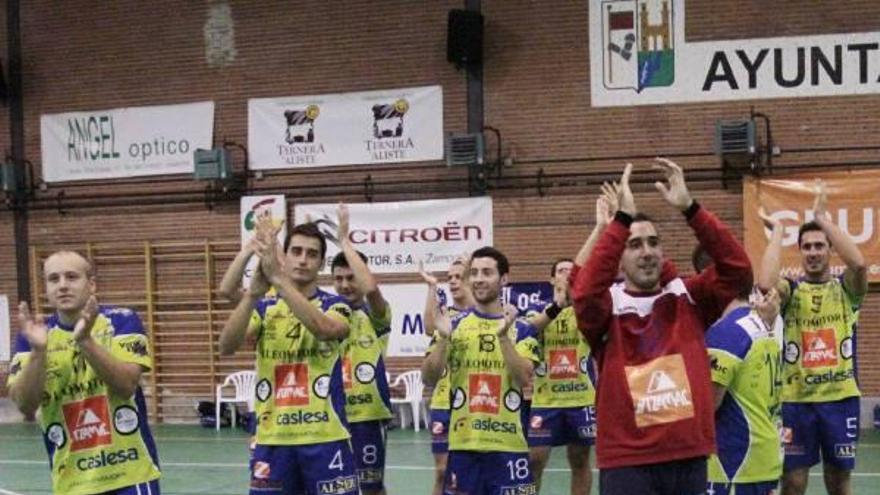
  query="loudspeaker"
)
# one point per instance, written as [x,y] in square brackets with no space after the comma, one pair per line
[464,37]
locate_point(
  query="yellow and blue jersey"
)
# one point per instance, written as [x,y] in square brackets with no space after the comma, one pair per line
[97,442]
[745,358]
[363,368]
[300,398]
[821,321]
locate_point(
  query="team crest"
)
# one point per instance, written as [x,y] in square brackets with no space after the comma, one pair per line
[638,39]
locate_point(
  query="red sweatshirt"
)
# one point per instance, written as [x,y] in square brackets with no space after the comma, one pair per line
[654,396]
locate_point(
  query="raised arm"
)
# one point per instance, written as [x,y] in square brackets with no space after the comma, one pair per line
[316,321]
[121,377]
[855,279]
[28,384]
[771,260]
[715,288]
[435,361]
[239,325]
[230,284]
[590,283]
[363,278]
[430,300]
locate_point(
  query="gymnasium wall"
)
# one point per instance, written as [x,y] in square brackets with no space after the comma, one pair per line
[82,55]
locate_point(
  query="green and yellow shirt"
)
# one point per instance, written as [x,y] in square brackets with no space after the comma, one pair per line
[563,379]
[299,392]
[97,442]
[363,367]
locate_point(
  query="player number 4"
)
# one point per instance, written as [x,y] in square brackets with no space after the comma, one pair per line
[336,463]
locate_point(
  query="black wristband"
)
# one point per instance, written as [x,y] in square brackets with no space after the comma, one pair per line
[552,310]
[625,218]
[691,210]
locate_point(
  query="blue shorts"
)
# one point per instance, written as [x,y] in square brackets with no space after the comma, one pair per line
[683,477]
[148,488]
[829,427]
[762,488]
[439,431]
[314,469]
[562,426]
[368,443]
[488,473]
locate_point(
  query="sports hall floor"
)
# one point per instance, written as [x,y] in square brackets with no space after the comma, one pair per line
[197,460]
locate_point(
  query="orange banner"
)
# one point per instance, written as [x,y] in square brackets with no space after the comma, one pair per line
[853,201]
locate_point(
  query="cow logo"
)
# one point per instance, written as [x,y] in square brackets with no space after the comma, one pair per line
[321,387]
[388,119]
[638,39]
[484,390]
[88,422]
[660,391]
[291,385]
[301,125]
[125,420]
[563,364]
[264,390]
[792,352]
[365,373]
[820,348]
[55,434]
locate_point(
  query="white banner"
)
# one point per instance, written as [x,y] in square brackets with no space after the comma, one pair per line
[639,56]
[251,206]
[5,334]
[124,142]
[396,236]
[390,126]
[407,327]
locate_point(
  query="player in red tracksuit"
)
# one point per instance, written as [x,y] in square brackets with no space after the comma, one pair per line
[655,409]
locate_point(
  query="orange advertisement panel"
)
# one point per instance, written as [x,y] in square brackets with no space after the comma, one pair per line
[853,202]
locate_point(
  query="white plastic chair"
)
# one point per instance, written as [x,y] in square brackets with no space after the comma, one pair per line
[243,381]
[413,390]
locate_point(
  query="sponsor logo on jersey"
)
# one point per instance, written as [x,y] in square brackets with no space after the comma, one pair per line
[107,458]
[660,391]
[292,385]
[820,348]
[493,426]
[88,422]
[302,417]
[536,422]
[484,390]
[55,434]
[341,485]
[563,364]
[364,373]
[125,420]
[830,377]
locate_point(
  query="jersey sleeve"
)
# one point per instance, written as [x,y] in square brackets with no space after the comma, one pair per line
[130,343]
[527,341]
[338,309]
[728,346]
[258,315]
[381,323]
[19,359]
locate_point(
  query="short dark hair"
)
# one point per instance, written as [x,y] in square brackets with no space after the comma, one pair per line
[498,256]
[339,260]
[557,262]
[307,230]
[811,226]
[641,217]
